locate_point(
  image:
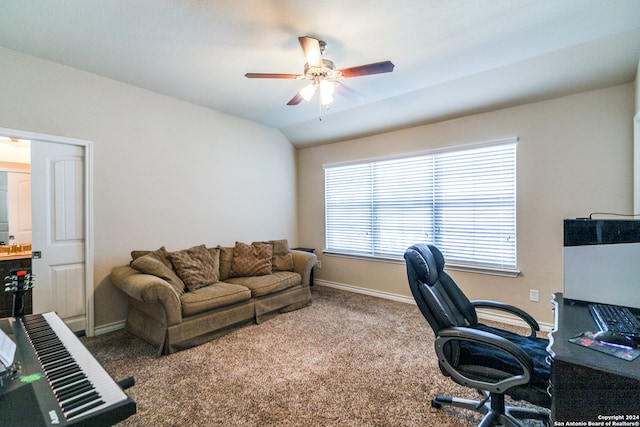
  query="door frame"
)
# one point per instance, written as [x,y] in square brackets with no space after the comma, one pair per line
[88,210]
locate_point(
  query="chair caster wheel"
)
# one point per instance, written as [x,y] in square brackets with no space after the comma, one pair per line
[435,404]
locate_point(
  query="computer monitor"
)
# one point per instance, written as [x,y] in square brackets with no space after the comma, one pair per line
[601,261]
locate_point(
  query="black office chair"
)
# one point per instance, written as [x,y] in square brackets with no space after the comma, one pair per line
[493,361]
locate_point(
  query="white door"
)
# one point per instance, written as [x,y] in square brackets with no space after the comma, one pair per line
[57,202]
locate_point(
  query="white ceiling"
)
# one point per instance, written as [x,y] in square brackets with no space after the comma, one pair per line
[452,57]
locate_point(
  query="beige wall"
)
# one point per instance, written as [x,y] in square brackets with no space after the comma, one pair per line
[165,172]
[574,157]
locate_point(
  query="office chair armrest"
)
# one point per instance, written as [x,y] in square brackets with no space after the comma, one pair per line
[495,305]
[489,339]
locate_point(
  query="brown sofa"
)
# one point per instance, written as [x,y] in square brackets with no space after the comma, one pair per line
[185,298]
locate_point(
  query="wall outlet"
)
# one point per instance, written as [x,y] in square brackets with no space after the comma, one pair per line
[534,295]
[319,264]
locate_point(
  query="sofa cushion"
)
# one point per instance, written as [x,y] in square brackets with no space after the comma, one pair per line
[195,266]
[211,297]
[282,260]
[152,264]
[264,285]
[251,260]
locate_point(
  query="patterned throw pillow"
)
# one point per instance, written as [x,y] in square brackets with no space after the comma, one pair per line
[251,260]
[195,266]
[152,264]
[282,260]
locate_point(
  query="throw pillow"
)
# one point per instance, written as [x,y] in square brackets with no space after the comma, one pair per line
[226,258]
[152,264]
[162,253]
[138,253]
[195,267]
[251,260]
[282,259]
[215,254]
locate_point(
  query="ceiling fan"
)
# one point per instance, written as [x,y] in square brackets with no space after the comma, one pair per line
[323,74]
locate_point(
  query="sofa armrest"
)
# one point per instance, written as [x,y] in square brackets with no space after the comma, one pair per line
[149,289]
[303,263]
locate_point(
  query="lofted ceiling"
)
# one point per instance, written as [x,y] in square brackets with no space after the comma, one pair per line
[452,57]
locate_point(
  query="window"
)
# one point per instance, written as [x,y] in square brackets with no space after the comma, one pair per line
[462,201]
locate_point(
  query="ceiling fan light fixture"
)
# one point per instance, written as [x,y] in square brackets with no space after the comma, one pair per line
[326,92]
[326,87]
[326,99]
[307,92]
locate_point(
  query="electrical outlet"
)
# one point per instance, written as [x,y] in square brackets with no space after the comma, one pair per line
[534,295]
[319,264]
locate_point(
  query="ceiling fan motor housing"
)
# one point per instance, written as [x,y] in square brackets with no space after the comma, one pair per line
[328,70]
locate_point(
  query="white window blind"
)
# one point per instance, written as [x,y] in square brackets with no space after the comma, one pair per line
[462,201]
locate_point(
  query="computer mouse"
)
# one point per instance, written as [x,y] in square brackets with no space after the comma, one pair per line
[611,337]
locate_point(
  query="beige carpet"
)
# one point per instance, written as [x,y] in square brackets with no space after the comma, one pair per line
[347,360]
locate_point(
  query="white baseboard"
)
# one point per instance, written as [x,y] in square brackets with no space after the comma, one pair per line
[111,327]
[365,291]
[482,314]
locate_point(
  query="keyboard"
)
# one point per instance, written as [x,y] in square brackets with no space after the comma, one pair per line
[60,382]
[616,319]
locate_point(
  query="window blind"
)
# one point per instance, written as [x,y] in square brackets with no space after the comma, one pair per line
[462,201]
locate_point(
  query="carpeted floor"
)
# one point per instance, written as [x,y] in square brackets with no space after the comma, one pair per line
[347,360]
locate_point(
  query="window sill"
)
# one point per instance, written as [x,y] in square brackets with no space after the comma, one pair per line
[449,266]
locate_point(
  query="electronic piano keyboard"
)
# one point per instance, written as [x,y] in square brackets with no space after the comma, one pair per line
[59,382]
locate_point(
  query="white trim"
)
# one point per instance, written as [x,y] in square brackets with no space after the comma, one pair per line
[451,266]
[482,314]
[111,327]
[512,139]
[88,210]
[365,291]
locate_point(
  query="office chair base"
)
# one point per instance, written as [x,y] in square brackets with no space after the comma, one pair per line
[494,411]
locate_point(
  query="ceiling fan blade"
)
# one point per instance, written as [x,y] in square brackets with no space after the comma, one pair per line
[311,49]
[347,92]
[365,70]
[297,99]
[273,76]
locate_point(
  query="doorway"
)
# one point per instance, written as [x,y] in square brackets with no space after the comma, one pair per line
[82,271]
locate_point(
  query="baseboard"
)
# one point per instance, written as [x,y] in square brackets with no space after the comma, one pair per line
[496,317]
[365,291]
[111,327]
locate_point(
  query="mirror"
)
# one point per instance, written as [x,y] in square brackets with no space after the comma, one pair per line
[4,209]
[15,207]
[15,193]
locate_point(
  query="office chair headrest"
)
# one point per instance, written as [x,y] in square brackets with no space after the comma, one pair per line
[428,262]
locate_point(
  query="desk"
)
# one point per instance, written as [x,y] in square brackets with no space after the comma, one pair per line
[587,385]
